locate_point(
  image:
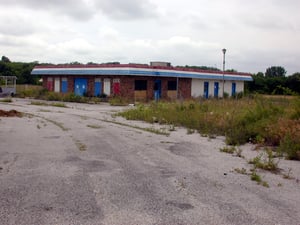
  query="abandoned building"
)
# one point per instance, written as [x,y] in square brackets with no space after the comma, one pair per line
[140,81]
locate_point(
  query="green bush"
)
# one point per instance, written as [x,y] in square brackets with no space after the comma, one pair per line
[257,119]
[289,147]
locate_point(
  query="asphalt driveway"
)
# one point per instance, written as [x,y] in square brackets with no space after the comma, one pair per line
[81,165]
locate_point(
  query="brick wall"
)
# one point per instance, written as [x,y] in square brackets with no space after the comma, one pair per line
[127,85]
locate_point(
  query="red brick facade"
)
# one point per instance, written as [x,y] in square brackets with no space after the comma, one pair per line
[127,85]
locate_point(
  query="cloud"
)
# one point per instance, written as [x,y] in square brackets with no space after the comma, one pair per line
[16,25]
[128,10]
[75,9]
[76,46]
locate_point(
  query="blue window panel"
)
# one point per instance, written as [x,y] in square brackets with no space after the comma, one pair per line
[80,87]
[64,86]
[98,89]
[206,90]
[233,89]
[157,89]
[216,90]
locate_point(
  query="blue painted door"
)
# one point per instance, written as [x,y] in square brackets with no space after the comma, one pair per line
[216,90]
[64,85]
[80,86]
[233,89]
[157,89]
[205,93]
[98,88]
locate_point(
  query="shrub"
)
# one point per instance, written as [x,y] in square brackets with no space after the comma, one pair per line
[118,101]
[290,147]
[265,161]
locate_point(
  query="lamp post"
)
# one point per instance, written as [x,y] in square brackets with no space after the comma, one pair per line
[224,52]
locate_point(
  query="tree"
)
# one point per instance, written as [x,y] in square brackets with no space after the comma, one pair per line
[5,59]
[293,82]
[275,71]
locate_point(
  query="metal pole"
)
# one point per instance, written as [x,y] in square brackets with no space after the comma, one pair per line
[224,51]
[177,89]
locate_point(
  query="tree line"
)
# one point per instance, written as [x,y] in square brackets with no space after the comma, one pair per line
[273,81]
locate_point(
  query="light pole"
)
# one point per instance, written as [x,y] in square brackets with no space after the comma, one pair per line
[224,52]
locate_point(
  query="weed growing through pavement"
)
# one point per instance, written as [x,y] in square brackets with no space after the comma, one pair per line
[93,126]
[288,174]
[265,161]
[228,149]
[232,150]
[56,104]
[241,171]
[82,147]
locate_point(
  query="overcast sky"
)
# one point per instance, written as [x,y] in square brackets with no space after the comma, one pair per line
[257,34]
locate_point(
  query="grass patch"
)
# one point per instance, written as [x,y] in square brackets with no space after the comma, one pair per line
[260,120]
[148,129]
[81,147]
[241,171]
[44,94]
[58,124]
[256,177]
[56,104]
[265,161]
[232,150]
[6,100]
[118,101]
[228,149]
[93,126]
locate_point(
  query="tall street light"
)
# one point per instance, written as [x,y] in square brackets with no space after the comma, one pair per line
[224,52]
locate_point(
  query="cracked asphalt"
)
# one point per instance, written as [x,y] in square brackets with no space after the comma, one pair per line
[80,165]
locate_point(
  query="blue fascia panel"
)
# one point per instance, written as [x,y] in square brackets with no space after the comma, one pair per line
[140,73]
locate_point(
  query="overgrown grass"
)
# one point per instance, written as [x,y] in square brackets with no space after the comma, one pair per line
[265,161]
[6,100]
[56,104]
[44,94]
[266,121]
[118,101]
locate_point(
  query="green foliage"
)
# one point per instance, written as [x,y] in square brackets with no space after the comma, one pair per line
[259,120]
[274,82]
[118,101]
[228,149]
[21,70]
[256,177]
[252,122]
[6,100]
[265,161]
[289,147]
[275,71]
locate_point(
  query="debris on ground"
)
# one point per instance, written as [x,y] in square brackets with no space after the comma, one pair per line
[10,113]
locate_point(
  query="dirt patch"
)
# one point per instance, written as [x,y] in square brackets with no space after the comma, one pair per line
[10,113]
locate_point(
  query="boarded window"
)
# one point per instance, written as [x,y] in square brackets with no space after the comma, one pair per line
[64,85]
[172,85]
[140,85]
[116,86]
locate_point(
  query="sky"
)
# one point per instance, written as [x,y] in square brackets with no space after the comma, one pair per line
[257,34]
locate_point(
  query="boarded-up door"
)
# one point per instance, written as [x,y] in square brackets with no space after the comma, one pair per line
[80,86]
[98,87]
[57,84]
[116,86]
[106,86]
[50,84]
[206,90]
[216,90]
[64,85]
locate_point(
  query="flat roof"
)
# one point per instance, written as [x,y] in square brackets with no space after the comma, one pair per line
[138,70]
